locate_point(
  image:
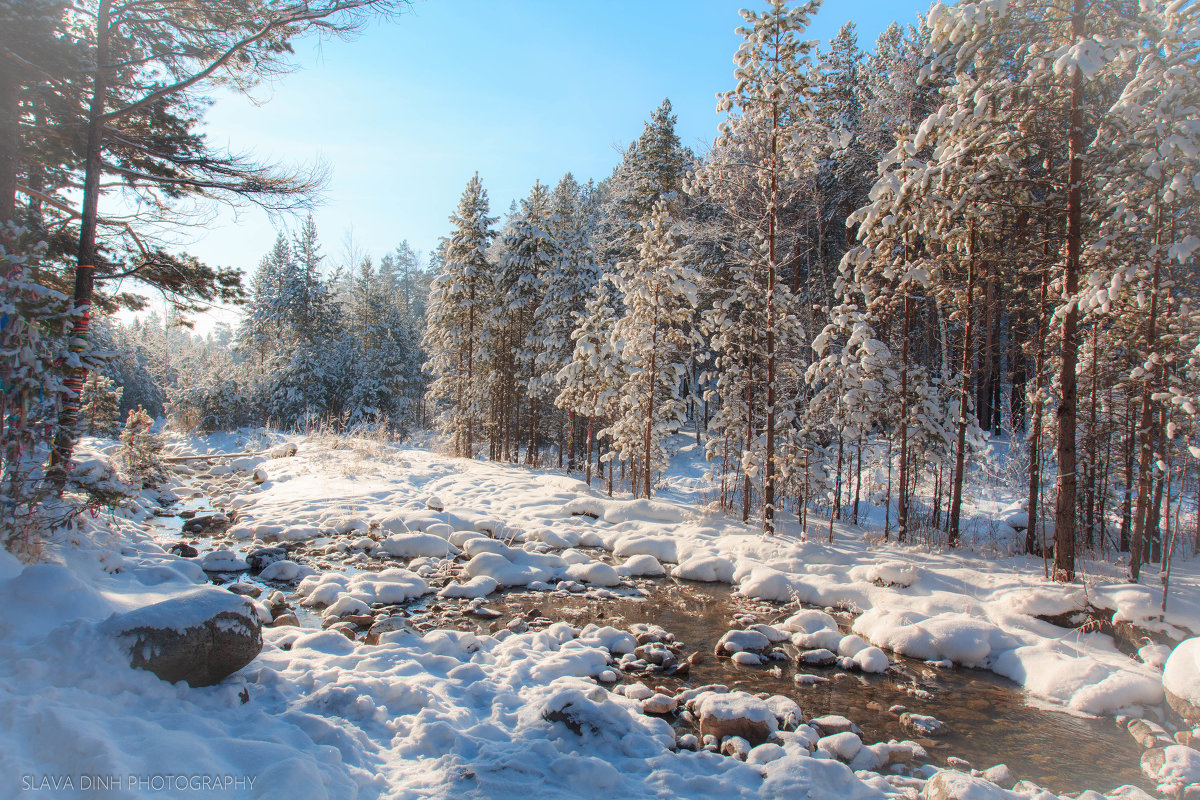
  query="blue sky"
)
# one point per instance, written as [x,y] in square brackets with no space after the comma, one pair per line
[516,89]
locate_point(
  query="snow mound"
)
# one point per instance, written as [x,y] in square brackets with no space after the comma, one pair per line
[596,572]
[285,570]
[223,561]
[766,583]
[388,586]
[808,621]
[516,567]
[1181,674]
[661,547]
[642,565]
[961,638]
[890,573]
[415,545]
[479,586]
[705,567]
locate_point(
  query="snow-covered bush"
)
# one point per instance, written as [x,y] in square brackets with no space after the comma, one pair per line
[141,449]
[34,356]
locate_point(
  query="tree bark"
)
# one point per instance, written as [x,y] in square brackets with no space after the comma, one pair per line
[961,441]
[1064,501]
[85,270]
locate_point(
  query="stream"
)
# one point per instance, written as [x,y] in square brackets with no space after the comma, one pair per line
[989,719]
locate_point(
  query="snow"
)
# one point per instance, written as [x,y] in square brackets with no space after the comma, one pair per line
[449,714]
[223,561]
[479,586]
[844,745]
[285,570]
[707,567]
[595,572]
[1181,674]
[871,659]
[413,545]
[1181,766]
[738,641]
[642,565]
[736,705]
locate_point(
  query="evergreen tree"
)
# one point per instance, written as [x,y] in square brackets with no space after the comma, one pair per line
[460,302]
[652,338]
[100,406]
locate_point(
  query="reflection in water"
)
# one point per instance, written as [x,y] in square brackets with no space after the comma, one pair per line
[988,719]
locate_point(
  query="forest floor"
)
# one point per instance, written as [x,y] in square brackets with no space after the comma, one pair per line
[461,573]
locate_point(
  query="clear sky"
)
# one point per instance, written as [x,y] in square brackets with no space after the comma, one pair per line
[516,89]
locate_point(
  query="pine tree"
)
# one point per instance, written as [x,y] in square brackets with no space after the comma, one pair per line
[751,176]
[652,338]
[461,299]
[594,378]
[100,406]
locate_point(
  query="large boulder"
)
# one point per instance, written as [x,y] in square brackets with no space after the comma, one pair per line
[200,637]
[1181,679]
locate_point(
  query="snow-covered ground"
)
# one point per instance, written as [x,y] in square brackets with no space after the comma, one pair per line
[447,714]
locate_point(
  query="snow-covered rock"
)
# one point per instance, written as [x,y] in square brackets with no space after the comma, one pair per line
[285,570]
[413,545]
[223,561]
[200,637]
[738,641]
[642,565]
[1172,768]
[735,714]
[1181,679]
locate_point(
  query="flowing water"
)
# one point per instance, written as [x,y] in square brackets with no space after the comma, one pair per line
[989,719]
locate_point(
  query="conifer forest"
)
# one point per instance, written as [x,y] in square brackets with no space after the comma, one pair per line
[905,355]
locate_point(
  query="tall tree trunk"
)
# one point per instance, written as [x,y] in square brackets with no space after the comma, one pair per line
[10,140]
[85,270]
[772,222]
[902,489]
[961,435]
[1064,501]
[858,478]
[1141,515]
[1035,433]
[651,381]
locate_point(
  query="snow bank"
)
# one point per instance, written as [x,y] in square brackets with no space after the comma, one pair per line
[957,637]
[1057,671]
[618,511]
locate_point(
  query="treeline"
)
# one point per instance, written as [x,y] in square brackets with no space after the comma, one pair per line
[319,346]
[986,225]
[102,160]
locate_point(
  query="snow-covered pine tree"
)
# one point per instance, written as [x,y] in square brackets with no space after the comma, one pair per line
[528,253]
[653,169]
[568,284]
[653,339]
[751,177]
[100,406]
[461,299]
[385,366]
[141,449]
[592,381]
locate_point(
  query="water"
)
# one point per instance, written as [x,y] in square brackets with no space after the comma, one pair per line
[989,719]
